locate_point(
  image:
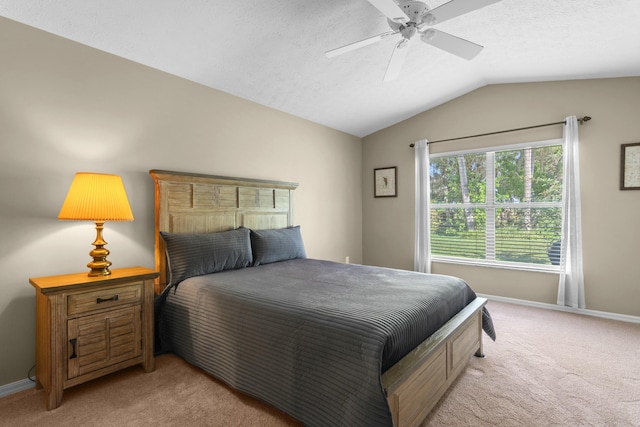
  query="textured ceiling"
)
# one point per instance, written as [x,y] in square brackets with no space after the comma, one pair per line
[272,51]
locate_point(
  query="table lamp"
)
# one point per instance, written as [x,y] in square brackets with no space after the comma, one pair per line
[97,197]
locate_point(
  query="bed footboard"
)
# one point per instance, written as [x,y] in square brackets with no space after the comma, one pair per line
[416,383]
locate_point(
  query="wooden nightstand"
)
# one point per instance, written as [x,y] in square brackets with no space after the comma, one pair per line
[87,327]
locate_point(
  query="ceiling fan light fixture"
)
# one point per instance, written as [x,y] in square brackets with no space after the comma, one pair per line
[429,19]
[408,31]
[428,35]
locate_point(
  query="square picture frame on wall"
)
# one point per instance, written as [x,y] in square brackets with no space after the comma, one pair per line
[385,182]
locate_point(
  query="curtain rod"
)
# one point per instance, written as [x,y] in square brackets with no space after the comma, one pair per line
[581,120]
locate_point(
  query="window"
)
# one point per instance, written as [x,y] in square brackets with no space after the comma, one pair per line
[498,207]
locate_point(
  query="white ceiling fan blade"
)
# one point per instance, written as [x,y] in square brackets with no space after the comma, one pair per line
[455,8]
[450,43]
[356,45]
[390,9]
[397,60]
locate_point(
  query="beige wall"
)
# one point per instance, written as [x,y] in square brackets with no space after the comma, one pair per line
[610,216]
[65,108]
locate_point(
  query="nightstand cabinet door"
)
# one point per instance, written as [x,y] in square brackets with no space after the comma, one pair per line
[101,340]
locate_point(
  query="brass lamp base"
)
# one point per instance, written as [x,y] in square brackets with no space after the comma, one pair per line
[100,265]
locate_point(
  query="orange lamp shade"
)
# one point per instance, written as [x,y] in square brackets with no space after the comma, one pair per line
[96,197]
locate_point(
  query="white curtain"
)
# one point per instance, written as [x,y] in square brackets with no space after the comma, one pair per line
[571,285]
[422,249]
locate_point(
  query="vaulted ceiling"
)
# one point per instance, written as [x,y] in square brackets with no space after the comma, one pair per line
[273,51]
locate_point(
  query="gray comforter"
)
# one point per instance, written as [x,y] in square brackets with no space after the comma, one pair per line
[307,336]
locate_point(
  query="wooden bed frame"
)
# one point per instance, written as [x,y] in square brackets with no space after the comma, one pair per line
[196,203]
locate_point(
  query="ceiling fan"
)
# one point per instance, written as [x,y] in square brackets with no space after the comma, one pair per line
[408,18]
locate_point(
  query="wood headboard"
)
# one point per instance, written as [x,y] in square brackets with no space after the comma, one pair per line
[196,203]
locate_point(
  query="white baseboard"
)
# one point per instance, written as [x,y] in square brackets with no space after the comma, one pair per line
[15,387]
[595,313]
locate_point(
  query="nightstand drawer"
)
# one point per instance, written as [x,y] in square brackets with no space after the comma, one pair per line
[104,298]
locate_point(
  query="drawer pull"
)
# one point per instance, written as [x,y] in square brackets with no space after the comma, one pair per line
[73,348]
[113,298]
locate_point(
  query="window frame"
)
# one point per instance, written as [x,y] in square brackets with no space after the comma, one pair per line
[491,207]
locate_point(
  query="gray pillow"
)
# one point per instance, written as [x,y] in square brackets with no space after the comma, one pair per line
[191,255]
[276,245]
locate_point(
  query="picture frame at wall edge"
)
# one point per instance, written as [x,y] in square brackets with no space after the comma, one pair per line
[385,181]
[630,166]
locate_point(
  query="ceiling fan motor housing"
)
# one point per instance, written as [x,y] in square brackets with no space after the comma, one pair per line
[415,11]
